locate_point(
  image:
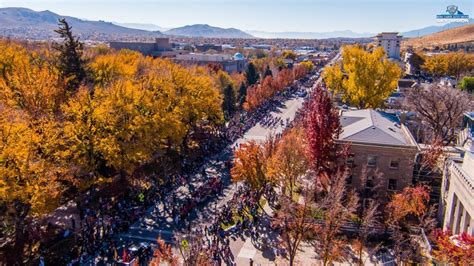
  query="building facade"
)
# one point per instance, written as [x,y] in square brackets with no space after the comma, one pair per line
[390,41]
[457,193]
[381,148]
[229,63]
[146,48]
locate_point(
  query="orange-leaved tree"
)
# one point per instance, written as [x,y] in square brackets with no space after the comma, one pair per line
[407,211]
[289,161]
[250,165]
[457,249]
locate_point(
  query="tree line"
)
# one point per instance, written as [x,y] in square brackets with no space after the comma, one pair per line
[72,116]
[316,204]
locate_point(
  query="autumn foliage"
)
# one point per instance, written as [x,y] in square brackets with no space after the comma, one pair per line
[322,129]
[250,165]
[57,136]
[365,79]
[411,201]
[452,64]
[259,93]
[457,249]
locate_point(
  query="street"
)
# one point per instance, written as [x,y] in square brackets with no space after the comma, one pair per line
[159,222]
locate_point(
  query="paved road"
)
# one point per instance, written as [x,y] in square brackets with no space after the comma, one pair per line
[158,222]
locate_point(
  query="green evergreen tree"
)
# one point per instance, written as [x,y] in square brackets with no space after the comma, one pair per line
[467,84]
[228,105]
[242,93]
[70,63]
[251,74]
[267,72]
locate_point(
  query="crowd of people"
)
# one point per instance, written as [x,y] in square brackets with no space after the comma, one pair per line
[241,122]
[100,219]
[236,217]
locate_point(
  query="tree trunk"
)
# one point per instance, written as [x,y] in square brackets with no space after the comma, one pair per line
[21,210]
[292,259]
[291,189]
[360,255]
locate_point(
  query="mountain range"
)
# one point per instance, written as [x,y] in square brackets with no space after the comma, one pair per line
[303,35]
[39,25]
[204,30]
[142,26]
[309,35]
[29,24]
[450,36]
[434,29]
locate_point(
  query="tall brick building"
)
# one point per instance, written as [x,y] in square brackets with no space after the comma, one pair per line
[378,142]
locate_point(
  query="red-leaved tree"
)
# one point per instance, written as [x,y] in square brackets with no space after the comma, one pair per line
[322,128]
[299,71]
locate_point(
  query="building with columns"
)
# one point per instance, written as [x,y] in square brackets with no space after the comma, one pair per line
[457,195]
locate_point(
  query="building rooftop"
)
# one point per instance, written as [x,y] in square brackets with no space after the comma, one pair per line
[239,56]
[470,115]
[374,127]
[204,57]
[391,34]
[406,83]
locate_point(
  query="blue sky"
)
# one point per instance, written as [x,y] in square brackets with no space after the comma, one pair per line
[267,15]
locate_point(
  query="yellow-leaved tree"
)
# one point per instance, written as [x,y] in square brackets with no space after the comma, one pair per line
[436,65]
[80,131]
[122,65]
[454,64]
[308,65]
[125,126]
[29,184]
[367,78]
[191,98]
[29,82]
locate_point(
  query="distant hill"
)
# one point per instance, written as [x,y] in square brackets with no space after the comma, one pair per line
[206,31]
[39,25]
[450,36]
[142,26]
[434,29]
[310,35]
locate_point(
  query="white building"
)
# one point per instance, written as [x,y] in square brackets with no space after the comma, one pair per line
[457,193]
[229,63]
[390,41]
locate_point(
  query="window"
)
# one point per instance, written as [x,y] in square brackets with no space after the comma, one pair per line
[371,160]
[392,184]
[350,159]
[394,164]
[370,182]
